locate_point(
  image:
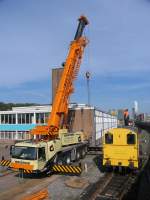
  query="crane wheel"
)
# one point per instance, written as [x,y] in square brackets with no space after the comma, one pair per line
[78,155]
[83,152]
[68,160]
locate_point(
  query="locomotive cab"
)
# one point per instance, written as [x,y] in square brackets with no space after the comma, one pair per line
[120,148]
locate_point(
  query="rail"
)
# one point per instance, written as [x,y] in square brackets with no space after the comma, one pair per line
[110,187]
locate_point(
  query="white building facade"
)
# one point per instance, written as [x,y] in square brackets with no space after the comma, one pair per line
[16,124]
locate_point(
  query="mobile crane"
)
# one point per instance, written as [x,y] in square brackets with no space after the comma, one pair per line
[56,145]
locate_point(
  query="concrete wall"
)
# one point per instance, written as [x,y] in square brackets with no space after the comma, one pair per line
[56,75]
[82,120]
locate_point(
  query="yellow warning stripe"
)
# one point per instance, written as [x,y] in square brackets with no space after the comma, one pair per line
[67,169]
[64,168]
[27,171]
[73,170]
[54,168]
[61,168]
[5,162]
[57,168]
[79,169]
[8,162]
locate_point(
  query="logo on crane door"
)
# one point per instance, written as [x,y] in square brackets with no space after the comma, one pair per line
[51,148]
[79,139]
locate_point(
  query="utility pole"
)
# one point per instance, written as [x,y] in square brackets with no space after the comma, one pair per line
[88,75]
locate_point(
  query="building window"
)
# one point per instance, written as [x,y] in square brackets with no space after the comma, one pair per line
[40,118]
[14,135]
[28,118]
[46,117]
[6,119]
[2,135]
[13,119]
[2,119]
[19,135]
[6,135]
[19,119]
[23,119]
[37,118]
[10,135]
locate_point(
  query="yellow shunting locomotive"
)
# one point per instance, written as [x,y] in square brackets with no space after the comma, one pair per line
[121,148]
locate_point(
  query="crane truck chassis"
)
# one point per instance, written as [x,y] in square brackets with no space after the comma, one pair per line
[39,157]
[56,145]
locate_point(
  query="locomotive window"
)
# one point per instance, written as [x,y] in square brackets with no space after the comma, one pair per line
[130,139]
[108,138]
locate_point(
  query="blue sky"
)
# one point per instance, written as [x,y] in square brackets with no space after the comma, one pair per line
[35,36]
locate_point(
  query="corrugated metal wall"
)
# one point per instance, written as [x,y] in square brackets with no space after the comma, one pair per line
[92,122]
[103,122]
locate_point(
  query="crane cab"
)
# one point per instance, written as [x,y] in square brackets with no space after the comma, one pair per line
[33,156]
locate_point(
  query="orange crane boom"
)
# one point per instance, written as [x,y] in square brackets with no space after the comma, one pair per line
[58,116]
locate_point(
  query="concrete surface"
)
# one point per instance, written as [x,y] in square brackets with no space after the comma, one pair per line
[14,188]
[59,190]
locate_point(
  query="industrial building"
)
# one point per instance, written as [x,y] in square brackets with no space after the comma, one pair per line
[16,124]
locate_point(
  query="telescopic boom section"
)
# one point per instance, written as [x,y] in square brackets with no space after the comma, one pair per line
[58,116]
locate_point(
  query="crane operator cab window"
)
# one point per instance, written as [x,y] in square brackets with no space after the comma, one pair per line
[41,154]
[131,138]
[108,138]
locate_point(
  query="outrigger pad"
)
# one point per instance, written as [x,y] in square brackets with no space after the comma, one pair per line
[67,169]
[5,162]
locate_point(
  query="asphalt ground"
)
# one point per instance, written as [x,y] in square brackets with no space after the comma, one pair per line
[58,186]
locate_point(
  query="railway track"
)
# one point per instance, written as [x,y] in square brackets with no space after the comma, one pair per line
[110,187]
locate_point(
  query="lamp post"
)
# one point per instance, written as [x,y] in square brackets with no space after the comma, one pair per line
[88,75]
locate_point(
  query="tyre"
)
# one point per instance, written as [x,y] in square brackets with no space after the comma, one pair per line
[68,160]
[78,155]
[83,153]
